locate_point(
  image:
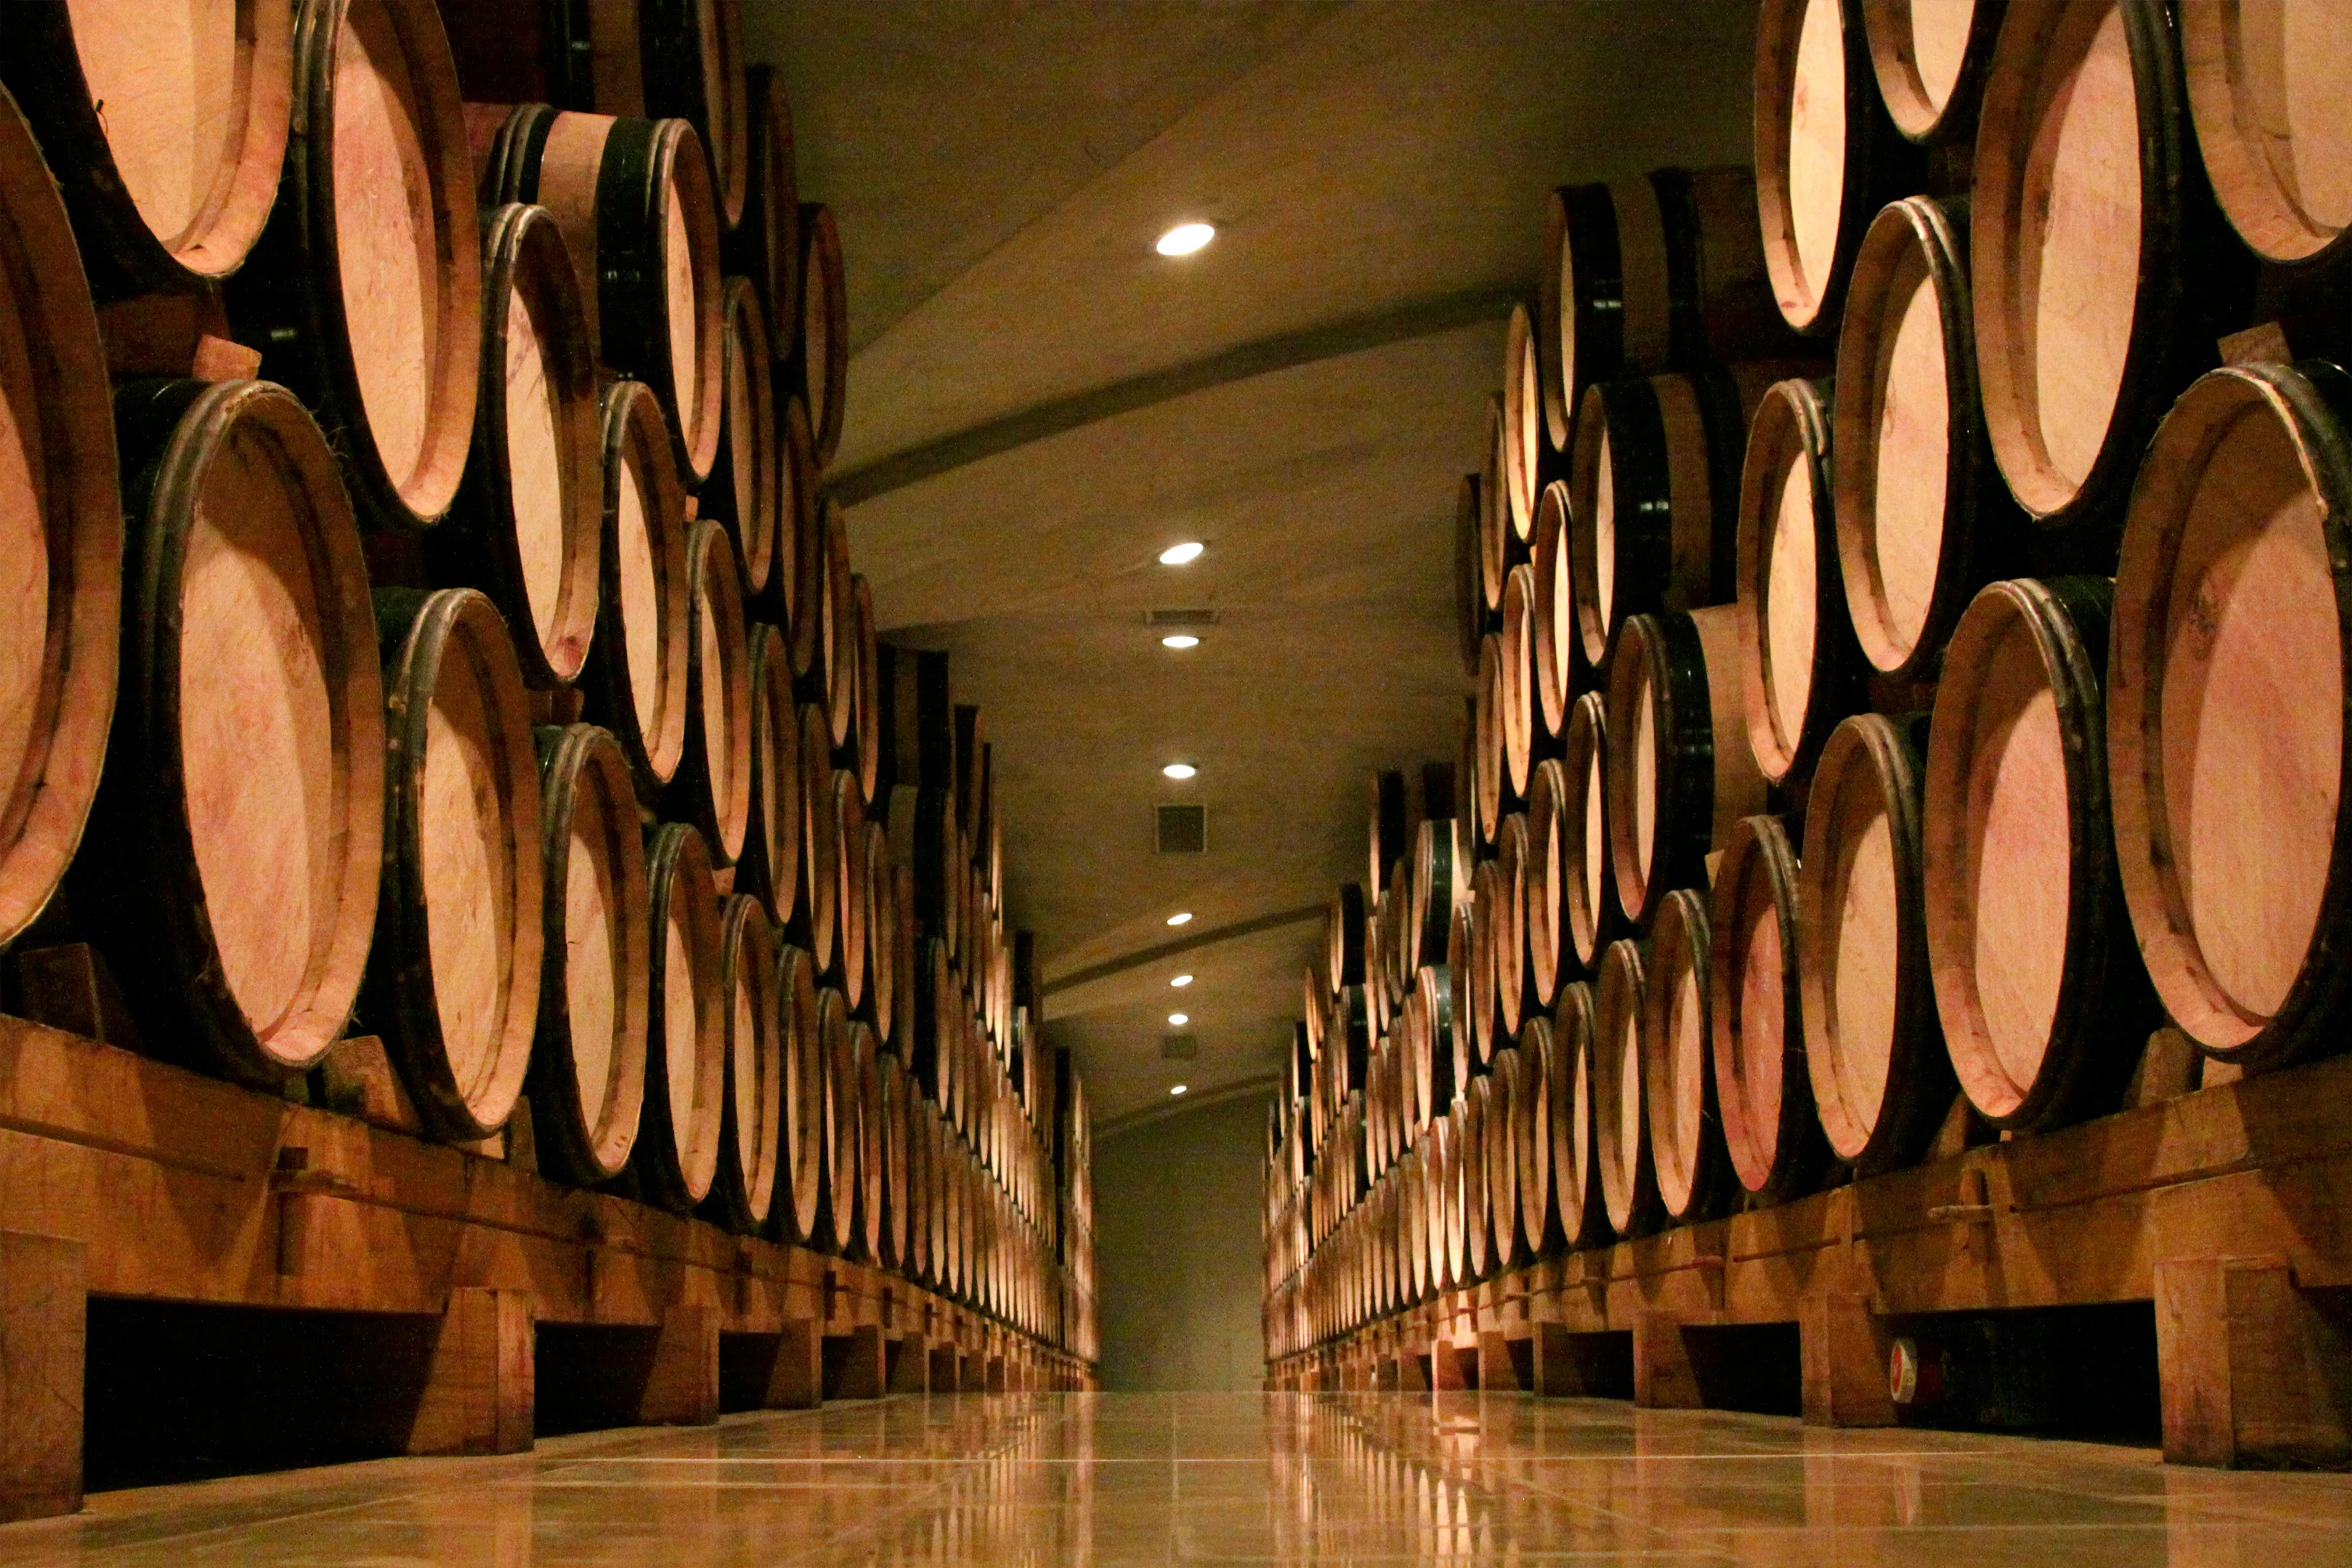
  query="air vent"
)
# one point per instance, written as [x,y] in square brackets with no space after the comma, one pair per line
[1179,617]
[1183,830]
[1179,1048]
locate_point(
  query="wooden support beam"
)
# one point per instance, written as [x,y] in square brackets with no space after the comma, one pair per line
[481,1383]
[2253,1370]
[854,1366]
[1497,1371]
[44,1314]
[1844,1345]
[682,1382]
[1452,1367]
[946,1368]
[1556,1372]
[908,1364]
[996,1375]
[1664,1377]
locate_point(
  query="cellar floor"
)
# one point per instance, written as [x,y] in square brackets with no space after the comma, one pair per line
[1136,1479]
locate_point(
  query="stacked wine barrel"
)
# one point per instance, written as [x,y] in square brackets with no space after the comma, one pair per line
[423,619]
[1909,664]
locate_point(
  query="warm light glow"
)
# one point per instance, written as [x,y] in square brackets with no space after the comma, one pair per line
[1184,919]
[1176,1088]
[1181,981]
[1182,555]
[1180,770]
[1178,1020]
[1186,238]
[1181,640]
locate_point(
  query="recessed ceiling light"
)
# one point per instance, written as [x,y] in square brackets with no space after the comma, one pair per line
[1178,1020]
[1180,770]
[1186,238]
[1181,640]
[1176,1088]
[1182,555]
[1181,981]
[1183,919]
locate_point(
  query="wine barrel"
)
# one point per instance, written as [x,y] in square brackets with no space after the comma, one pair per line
[587,1075]
[834,674]
[1470,961]
[1469,589]
[1343,939]
[1930,60]
[564,52]
[771,863]
[2227,669]
[1448,1247]
[1687,1149]
[841,1230]
[766,246]
[922,1184]
[1531,1136]
[1756,1014]
[1444,1023]
[745,491]
[2100,274]
[1514,998]
[752,1108]
[60,532]
[1576,1182]
[1516,712]
[633,199]
[881,900]
[1475,1237]
[1495,537]
[635,682]
[1799,670]
[1493,795]
[1922,517]
[1561,670]
[1680,770]
[1523,422]
[692,55]
[863,754]
[526,528]
[2267,88]
[231,864]
[820,844]
[922,840]
[799,565]
[1442,862]
[1588,890]
[820,372]
[1545,873]
[853,967]
[872,1220]
[452,981]
[686,1063]
[1654,495]
[1501,1088]
[372,308]
[1827,156]
[2042,998]
[1882,1080]
[712,786]
[1620,1091]
[897,1196]
[167,133]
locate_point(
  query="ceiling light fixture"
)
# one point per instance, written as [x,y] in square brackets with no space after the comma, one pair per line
[1183,919]
[1181,981]
[1178,1020]
[1180,770]
[1180,640]
[1182,555]
[1177,1089]
[1186,238]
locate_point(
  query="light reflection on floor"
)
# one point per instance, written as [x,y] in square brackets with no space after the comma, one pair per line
[1138,1478]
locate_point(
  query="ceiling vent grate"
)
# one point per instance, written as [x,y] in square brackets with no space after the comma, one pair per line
[1183,831]
[1179,617]
[1179,1047]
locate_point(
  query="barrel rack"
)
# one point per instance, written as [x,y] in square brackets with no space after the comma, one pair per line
[122,1176]
[2230,1208]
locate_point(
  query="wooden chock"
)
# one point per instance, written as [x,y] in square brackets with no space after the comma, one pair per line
[2253,1371]
[796,1377]
[1496,1374]
[1663,1375]
[1556,1375]
[854,1364]
[1844,1346]
[945,1369]
[908,1364]
[682,1385]
[480,1385]
[44,1313]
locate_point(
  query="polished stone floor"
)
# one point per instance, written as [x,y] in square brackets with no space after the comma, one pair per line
[1231,1478]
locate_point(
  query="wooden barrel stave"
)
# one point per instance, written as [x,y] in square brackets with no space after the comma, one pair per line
[1692,1167]
[819,844]
[770,866]
[677,1157]
[635,682]
[1619,1090]
[751,1136]
[1561,673]
[1756,1016]
[872,1220]
[841,1229]
[1930,62]
[766,246]
[692,54]
[1469,588]
[819,370]
[712,786]
[2266,89]
[746,491]
[1531,1139]
[1588,876]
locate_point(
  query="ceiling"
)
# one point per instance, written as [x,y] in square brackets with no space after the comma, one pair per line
[1039,403]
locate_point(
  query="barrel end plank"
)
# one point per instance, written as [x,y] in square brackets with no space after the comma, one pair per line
[1844,1346]
[481,1383]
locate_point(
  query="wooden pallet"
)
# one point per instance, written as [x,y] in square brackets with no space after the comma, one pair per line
[124,1177]
[2229,1208]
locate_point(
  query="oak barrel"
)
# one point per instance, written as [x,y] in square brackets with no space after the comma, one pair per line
[686,1061]
[367,282]
[1469,586]
[746,487]
[1680,770]
[751,1135]
[1620,1091]
[2268,84]
[1523,424]
[852,966]
[634,681]
[766,246]
[894,1186]
[864,753]
[1576,1183]
[1588,889]
[1755,1015]
[2227,666]
[1516,715]
[2044,1001]
[61,537]
[1442,865]
[1474,1235]
[712,786]
[1545,870]
[633,199]
[1687,1148]
[527,525]
[1532,1136]
[453,982]
[820,372]
[232,865]
[1495,536]
[1827,156]
[1502,1173]
[800,1177]
[841,1230]
[1930,57]
[770,864]
[1923,519]
[799,591]
[1561,670]
[832,676]
[881,900]
[587,1077]
[1882,1080]
[820,844]
[573,54]
[1799,670]
[871,1221]
[2100,274]
[692,55]
[1507,941]
[166,132]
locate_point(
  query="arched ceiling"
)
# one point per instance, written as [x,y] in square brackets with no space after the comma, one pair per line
[1039,403]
